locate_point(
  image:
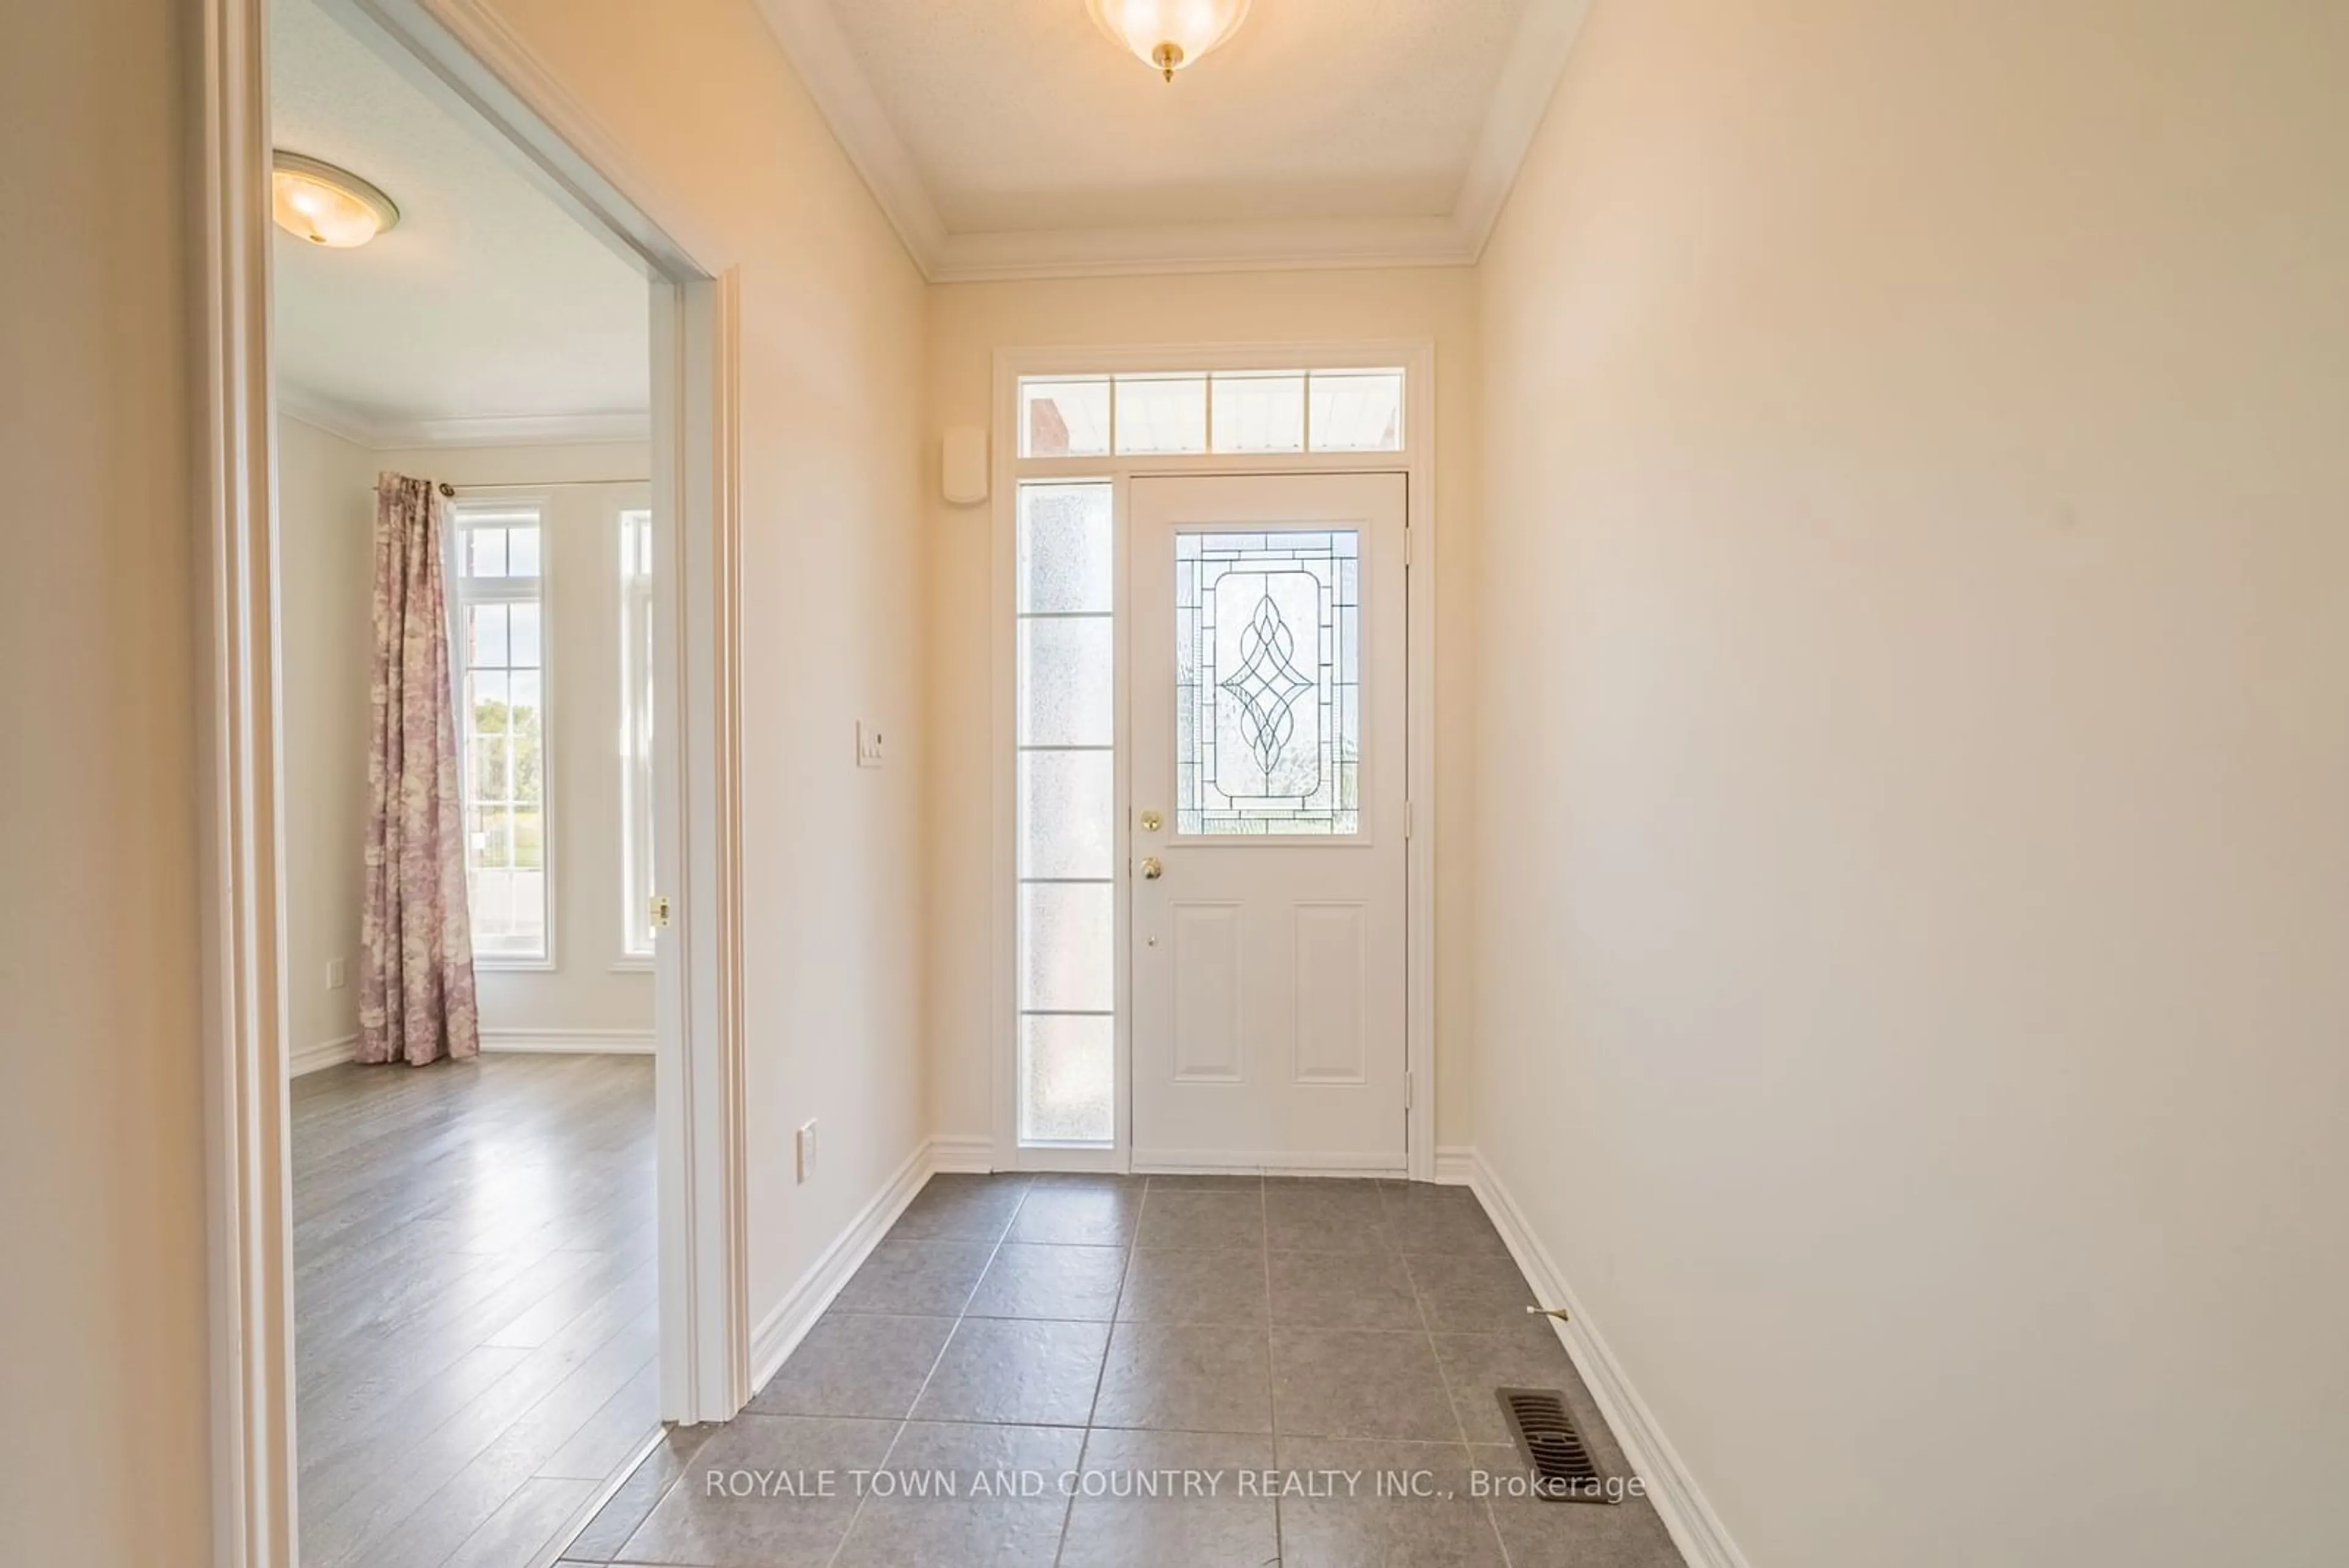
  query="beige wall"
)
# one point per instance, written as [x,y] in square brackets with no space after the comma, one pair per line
[1914,899]
[325,570]
[583,998]
[699,94]
[967,324]
[102,1283]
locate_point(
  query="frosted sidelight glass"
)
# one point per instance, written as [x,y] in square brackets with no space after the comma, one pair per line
[1066,551]
[1068,1080]
[1067,814]
[1065,687]
[1067,930]
[1068,679]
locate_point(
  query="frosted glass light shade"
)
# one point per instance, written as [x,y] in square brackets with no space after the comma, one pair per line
[1169,34]
[326,205]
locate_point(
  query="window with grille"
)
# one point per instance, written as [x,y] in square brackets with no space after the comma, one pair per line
[501,645]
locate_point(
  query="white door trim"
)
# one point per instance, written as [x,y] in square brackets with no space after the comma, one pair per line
[464,53]
[1417,463]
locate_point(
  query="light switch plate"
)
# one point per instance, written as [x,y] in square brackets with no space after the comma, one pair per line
[339,973]
[871,750]
[806,1150]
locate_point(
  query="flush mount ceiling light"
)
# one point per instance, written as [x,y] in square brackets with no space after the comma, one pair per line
[1169,34]
[326,205]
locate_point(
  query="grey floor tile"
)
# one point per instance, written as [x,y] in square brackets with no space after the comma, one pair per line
[916,1279]
[1324,1217]
[1389,1503]
[1168,1285]
[1068,1283]
[1016,1371]
[1179,1217]
[1470,1293]
[1540,1534]
[1343,1290]
[1206,1182]
[1111,1526]
[1173,1378]
[1476,1365]
[959,1207]
[1083,1212]
[1353,1382]
[627,1508]
[957,1495]
[1421,1217]
[851,1363]
[701,1521]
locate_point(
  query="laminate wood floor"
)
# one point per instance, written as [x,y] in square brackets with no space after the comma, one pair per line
[474,1303]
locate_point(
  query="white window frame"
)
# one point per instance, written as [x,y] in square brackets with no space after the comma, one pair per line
[1416,462]
[464,591]
[638,831]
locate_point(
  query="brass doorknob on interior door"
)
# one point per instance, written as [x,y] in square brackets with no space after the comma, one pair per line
[1152,821]
[1152,870]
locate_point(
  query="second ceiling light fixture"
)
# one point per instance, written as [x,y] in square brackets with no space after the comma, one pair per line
[1169,34]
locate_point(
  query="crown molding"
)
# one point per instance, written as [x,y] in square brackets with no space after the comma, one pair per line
[486,429]
[323,415]
[524,429]
[1545,40]
[819,52]
[1291,246]
[812,40]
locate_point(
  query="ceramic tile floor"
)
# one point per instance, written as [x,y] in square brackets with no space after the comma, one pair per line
[1175,1372]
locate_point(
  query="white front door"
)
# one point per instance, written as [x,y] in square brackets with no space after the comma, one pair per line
[1268,923]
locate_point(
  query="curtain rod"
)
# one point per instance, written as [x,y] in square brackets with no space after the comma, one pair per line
[556,485]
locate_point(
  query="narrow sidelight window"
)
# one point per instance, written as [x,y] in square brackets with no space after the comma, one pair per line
[502,664]
[1067,837]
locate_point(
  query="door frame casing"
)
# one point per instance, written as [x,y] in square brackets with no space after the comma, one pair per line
[1416,462]
[468,59]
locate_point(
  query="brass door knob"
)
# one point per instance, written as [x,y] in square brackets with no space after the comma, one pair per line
[1152,870]
[1152,821]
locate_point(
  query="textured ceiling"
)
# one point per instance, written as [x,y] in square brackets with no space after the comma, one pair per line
[487,300]
[1021,114]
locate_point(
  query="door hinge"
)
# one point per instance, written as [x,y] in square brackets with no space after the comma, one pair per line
[659,909]
[1406,545]
[1407,1088]
[1410,820]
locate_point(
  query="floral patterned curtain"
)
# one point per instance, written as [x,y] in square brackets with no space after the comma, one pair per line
[415,942]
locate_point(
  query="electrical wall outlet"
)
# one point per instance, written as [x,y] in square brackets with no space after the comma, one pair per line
[806,1150]
[339,973]
[871,751]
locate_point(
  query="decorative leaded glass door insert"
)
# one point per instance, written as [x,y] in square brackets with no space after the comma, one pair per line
[1267,735]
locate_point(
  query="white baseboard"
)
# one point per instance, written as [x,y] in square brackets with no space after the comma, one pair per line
[1455,1165]
[1271,1162]
[1695,1529]
[780,1331]
[962,1152]
[324,1055]
[571,1042]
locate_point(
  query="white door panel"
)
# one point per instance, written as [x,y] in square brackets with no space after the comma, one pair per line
[1268,707]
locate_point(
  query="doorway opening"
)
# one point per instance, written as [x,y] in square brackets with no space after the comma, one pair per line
[457,1301]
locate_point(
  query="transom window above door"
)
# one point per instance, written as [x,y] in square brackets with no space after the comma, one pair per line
[1195,413]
